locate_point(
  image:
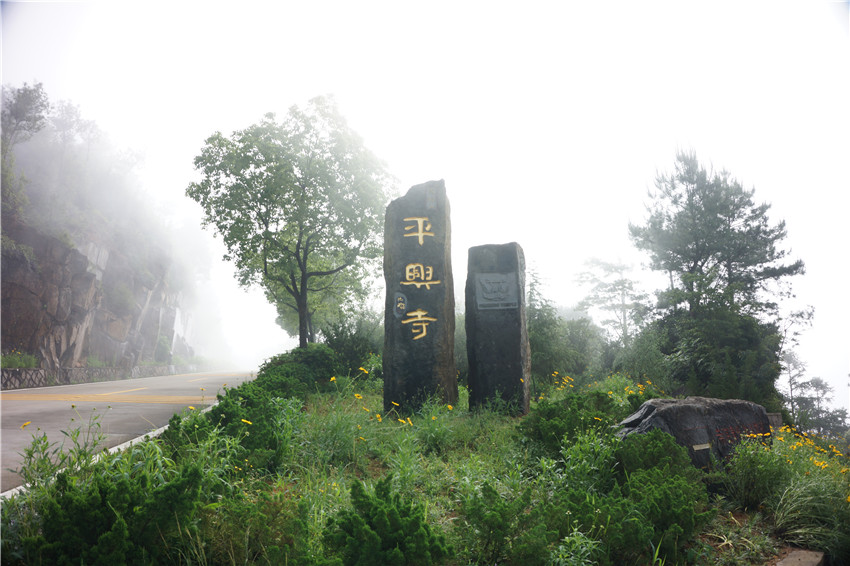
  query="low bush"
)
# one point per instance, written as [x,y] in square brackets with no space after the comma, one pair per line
[754,473]
[590,462]
[299,371]
[611,518]
[383,528]
[493,526]
[654,449]
[675,506]
[18,360]
[112,521]
[261,525]
[549,424]
[355,343]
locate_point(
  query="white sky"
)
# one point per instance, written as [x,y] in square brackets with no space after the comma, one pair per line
[547,120]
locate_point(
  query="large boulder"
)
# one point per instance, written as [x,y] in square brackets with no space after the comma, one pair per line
[419,320]
[702,425]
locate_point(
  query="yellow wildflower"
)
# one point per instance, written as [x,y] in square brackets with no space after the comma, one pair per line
[401,421]
[333,378]
[23,426]
[358,396]
[394,403]
[409,421]
[191,408]
[363,370]
[247,422]
[450,407]
[367,410]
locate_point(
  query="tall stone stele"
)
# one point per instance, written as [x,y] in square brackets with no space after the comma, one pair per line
[419,320]
[496,334]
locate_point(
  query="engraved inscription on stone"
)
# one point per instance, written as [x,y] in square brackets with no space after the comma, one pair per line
[400,303]
[497,291]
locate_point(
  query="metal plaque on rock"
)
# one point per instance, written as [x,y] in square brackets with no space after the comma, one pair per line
[497,290]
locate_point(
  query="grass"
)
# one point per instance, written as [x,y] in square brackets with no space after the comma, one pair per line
[443,458]
[14,359]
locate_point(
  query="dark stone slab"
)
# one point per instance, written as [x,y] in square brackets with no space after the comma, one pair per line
[703,425]
[419,319]
[496,333]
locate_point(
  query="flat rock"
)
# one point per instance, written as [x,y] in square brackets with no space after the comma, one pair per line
[802,558]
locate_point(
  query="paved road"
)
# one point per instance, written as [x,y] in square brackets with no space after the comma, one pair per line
[126,410]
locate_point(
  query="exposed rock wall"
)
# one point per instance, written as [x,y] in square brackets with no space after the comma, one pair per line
[65,305]
[49,300]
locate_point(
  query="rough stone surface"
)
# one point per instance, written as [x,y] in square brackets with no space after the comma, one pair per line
[703,425]
[496,334]
[64,305]
[419,321]
[802,558]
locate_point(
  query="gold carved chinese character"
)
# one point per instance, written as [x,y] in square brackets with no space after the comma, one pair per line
[419,275]
[419,323]
[421,228]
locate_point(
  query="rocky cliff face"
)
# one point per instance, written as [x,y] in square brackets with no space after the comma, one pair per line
[66,304]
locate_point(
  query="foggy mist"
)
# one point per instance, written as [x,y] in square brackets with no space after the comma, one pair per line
[548,123]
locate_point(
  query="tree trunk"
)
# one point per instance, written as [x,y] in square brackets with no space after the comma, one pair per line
[303,314]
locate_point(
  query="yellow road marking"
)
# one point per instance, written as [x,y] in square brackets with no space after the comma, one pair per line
[125,391]
[159,399]
[199,379]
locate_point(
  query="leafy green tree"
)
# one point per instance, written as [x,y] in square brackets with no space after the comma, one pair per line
[795,370]
[297,203]
[616,295]
[567,346]
[813,411]
[724,260]
[706,231]
[24,112]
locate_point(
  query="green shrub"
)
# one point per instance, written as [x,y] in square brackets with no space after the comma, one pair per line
[355,343]
[256,526]
[299,371]
[549,424]
[493,524]
[575,549]
[611,518]
[264,425]
[112,521]
[654,449]
[384,528]
[754,474]
[672,504]
[16,360]
[589,461]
